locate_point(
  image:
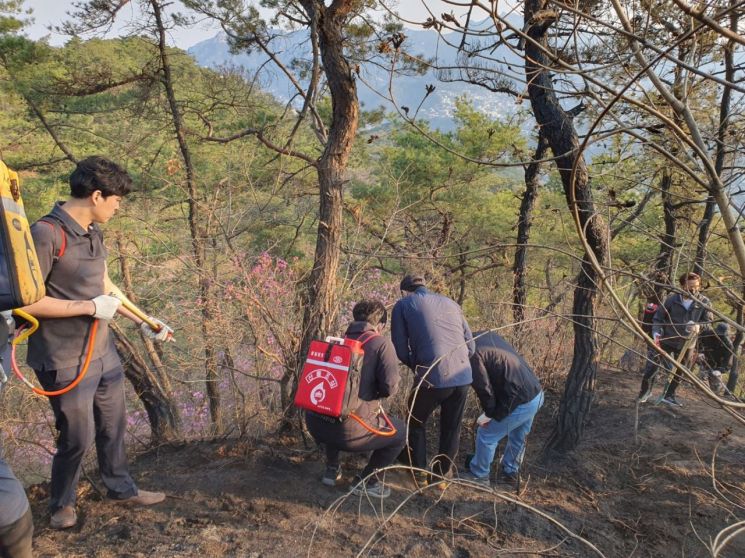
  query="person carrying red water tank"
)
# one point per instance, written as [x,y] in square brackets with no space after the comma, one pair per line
[72,258]
[379,379]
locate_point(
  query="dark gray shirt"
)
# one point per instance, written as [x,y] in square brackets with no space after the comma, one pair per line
[77,275]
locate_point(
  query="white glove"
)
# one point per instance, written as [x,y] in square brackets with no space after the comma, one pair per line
[483,420]
[106,307]
[163,334]
[692,328]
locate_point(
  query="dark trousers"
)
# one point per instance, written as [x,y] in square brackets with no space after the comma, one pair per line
[422,402]
[15,539]
[732,380]
[353,437]
[92,411]
[384,449]
[653,366]
[16,526]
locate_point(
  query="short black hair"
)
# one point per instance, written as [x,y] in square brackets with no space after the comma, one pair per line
[411,282]
[370,311]
[98,173]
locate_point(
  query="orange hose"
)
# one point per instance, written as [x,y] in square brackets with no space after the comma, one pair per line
[78,378]
[385,433]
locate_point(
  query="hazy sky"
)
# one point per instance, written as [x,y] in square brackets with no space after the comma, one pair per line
[52,12]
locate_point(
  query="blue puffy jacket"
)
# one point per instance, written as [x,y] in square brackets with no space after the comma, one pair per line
[427,329]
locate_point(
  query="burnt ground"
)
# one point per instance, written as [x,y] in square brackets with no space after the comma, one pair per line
[654,497]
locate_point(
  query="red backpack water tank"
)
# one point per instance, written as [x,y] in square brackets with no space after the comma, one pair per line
[330,381]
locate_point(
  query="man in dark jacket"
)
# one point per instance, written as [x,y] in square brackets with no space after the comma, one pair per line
[433,339]
[677,319]
[510,396]
[16,525]
[379,379]
[716,350]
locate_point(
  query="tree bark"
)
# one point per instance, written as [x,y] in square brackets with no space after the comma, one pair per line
[558,127]
[664,262]
[150,347]
[154,389]
[161,412]
[525,221]
[736,347]
[197,235]
[321,307]
[724,121]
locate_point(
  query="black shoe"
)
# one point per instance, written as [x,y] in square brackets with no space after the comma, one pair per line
[507,478]
[404,457]
[331,475]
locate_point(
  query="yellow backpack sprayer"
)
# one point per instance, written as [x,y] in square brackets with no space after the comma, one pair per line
[22,283]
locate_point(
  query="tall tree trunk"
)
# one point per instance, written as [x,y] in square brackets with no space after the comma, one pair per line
[557,126]
[664,263]
[150,348]
[197,235]
[736,345]
[724,125]
[161,412]
[320,310]
[525,221]
[703,234]
[153,388]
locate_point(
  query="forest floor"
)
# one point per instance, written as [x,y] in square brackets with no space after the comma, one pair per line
[654,497]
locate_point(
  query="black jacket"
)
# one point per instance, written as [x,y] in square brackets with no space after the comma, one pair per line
[671,319]
[501,377]
[717,350]
[380,375]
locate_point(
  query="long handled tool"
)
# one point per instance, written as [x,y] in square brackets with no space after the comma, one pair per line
[139,313]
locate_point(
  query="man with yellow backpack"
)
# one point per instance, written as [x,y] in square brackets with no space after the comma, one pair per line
[72,347]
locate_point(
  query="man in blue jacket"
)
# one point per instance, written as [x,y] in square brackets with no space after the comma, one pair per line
[433,339]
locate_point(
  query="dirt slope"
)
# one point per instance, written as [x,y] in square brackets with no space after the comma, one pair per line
[263,499]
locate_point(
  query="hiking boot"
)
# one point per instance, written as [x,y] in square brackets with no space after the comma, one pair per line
[507,478]
[373,490]
[331,475]
[143,498]
[63,518]
[670,400]
[470,477]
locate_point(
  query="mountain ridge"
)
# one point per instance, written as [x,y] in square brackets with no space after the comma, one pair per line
[373,83]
